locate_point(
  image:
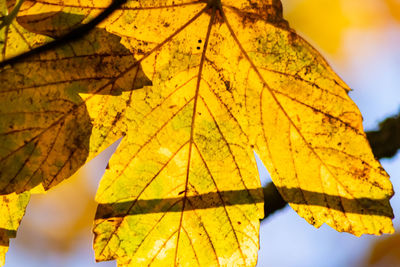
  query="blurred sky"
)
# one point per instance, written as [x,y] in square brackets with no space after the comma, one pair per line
[361,40]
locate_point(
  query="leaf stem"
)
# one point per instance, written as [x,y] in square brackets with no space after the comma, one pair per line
[6,21]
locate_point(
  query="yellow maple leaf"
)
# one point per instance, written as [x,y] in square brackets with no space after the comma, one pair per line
[228,78]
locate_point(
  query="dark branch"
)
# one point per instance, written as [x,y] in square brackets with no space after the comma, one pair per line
[384,143]
[70,36]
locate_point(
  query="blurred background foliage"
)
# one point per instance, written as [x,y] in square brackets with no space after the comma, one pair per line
[361,39]
[326,22]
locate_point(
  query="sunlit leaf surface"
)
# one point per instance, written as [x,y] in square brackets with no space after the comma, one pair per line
[196,87]
[227,83]
[15,39]
[12,209]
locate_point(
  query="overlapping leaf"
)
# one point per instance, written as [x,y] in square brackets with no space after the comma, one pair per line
[43,119]
[15,39]
[12,209]
[228,77]
[45,127]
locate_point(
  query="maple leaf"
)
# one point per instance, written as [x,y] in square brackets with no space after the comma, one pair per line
[48,140]
[227,78]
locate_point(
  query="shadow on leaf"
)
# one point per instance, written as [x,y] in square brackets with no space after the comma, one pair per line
[45,127]
[365,206]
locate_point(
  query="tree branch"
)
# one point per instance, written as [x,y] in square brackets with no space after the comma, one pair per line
[70,36]
[384,143]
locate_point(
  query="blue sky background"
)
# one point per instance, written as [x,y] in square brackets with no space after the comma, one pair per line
[370,65]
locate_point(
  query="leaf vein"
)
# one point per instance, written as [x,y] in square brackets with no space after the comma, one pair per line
[222,201]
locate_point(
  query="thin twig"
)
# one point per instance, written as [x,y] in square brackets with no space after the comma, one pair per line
[72,35]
